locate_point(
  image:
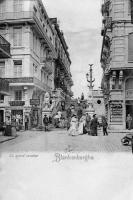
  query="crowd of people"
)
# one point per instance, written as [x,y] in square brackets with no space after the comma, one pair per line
[86,125]
[77,125]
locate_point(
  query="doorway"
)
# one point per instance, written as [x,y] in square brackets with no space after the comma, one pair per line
[129,110]
[1,116]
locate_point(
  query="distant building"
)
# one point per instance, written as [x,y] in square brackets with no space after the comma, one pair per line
[31,69]
[117,61]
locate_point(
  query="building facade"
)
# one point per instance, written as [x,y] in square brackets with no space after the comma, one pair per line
[31,68]
[117,61]
[62,75]
[4,85]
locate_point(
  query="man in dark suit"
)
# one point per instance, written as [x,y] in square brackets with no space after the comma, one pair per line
[45,122]
[93,125]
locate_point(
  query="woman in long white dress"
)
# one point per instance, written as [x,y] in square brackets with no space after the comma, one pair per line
[81,124]
[73,126]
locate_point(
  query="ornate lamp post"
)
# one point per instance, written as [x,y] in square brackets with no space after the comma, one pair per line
[90,109]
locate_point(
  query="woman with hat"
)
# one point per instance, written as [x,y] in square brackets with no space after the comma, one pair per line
[73,126]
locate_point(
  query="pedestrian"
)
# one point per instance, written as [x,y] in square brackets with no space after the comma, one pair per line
[26,120]
[87,123]
[81,125]
[56,121]
[104,125]
[73,126]
[45,122]
[93,125]
[129,121]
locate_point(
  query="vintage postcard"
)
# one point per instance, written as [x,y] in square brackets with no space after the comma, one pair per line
[66,99]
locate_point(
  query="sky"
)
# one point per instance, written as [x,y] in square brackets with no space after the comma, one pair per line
[81,22]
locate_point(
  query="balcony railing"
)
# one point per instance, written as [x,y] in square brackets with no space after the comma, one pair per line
[47,65]
[30,80]
[59,93]
[4,48]
[108,22]
[17,103]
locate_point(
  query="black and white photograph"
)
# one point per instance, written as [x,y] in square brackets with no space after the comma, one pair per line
[66,99]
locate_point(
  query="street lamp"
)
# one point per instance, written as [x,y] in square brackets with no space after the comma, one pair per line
[87,77]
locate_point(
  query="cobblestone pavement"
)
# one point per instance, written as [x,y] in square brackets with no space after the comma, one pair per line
[58,140]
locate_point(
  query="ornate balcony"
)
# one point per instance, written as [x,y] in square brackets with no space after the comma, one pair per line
[4,48]
[108,22]
[46,65]
[58,93]
[17,103]
[28,81]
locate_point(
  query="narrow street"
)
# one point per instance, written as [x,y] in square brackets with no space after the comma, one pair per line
[59,140]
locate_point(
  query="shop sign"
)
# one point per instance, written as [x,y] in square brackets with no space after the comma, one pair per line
[116,109]
[17,103]
[34,102]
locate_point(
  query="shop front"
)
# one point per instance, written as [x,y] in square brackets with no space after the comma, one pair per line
[129,99]
[17,113]
[35,113]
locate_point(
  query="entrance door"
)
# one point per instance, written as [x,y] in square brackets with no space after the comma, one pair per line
[1,116]
[129,110]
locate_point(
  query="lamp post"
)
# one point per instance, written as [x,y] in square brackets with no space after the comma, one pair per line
[90,109]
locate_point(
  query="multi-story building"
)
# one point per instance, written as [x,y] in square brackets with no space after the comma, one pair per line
[117,61]
[30,71]
[4,85]
[63,77]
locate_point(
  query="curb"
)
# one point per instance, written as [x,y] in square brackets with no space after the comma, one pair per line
[8,139]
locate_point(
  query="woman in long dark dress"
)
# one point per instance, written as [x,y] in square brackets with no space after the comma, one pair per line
[93,125]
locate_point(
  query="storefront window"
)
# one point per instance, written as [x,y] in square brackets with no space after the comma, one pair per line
[17,117]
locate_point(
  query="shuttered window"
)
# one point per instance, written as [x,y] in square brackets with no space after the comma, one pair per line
[17,68]
[2,69]
[130,47]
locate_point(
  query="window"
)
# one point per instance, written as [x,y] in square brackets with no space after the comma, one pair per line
[17,68]
[17,36]
[1,98]
[18,95]
[18,5]
[2,7]
[2,69]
